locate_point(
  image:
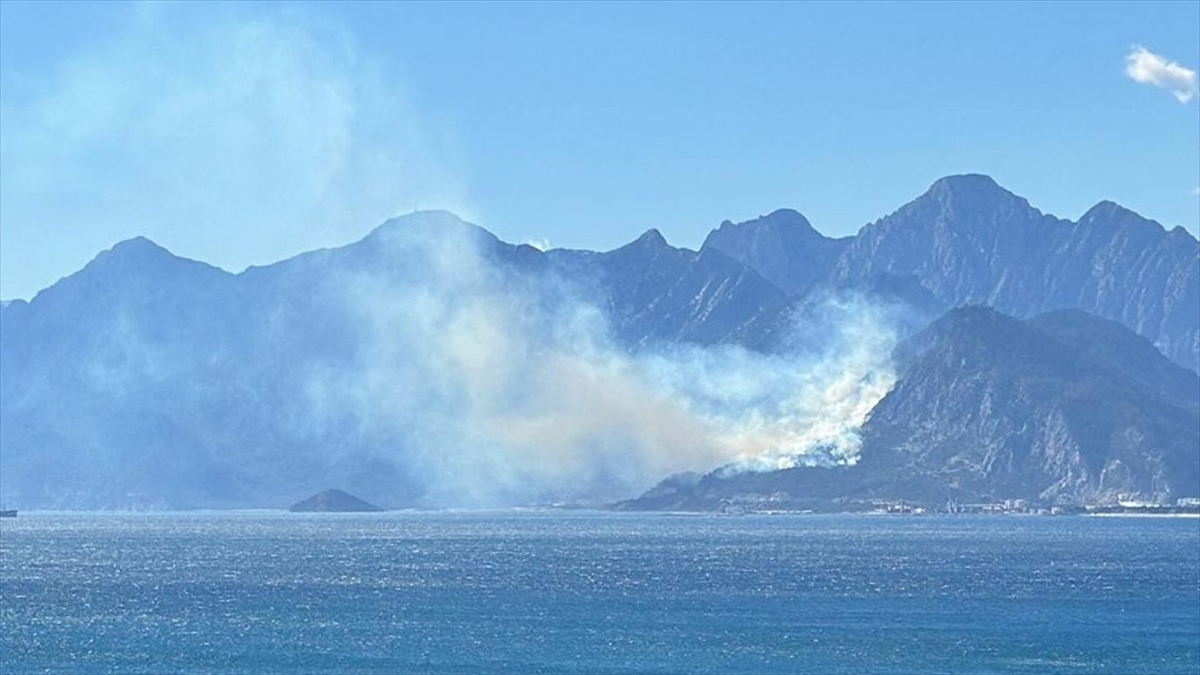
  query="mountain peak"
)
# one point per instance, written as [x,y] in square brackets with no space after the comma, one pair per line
[787,217]
[138,253]
[132,263]
[777,227]
[434,225]
[966,181]
[652,238]
[137,246]
[426,220]
[973,198]
[651,242]
[964,202]
[969,189]
[968,325]
[1109,210]
[1179,233]
[777,220]
[782,246]
[1109,215]
[972,317]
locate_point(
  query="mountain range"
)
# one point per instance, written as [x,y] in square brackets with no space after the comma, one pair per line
[1039,358]
[969,241]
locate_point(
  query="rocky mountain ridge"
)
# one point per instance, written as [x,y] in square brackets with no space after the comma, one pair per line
[969,241]
[990,408]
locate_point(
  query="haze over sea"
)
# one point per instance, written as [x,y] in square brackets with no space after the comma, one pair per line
[541,592]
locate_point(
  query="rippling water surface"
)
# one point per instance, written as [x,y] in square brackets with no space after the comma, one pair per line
[596,592]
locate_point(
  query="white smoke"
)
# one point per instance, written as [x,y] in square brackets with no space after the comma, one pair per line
[201,124]
[497,388]
[780,411]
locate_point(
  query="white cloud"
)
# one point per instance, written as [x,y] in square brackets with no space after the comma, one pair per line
[1146,67]
[540,243]
[234,134]
[1196,192]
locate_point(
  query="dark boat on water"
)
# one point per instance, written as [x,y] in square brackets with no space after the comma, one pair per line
[8,513]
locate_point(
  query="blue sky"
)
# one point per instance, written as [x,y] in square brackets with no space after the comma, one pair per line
[241,134]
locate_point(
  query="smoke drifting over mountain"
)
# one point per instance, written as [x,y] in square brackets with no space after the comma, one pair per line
[432,365]
[200,125]
[503,387]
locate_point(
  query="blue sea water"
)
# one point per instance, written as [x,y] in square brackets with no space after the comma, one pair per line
[597,593]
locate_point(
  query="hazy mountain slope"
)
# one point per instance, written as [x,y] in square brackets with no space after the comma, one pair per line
[84,357]
[801,323]
[148,380]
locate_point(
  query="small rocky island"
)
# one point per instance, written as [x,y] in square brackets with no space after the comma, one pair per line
[333,501]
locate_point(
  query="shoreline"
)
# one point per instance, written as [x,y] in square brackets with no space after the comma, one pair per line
[1142,515]
[284,513]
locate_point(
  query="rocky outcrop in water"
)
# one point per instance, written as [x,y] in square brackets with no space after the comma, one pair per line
[333,501]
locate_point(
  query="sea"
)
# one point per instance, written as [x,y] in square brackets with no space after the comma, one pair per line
[592,592]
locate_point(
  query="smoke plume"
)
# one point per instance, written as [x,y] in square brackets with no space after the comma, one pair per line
[498,386]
